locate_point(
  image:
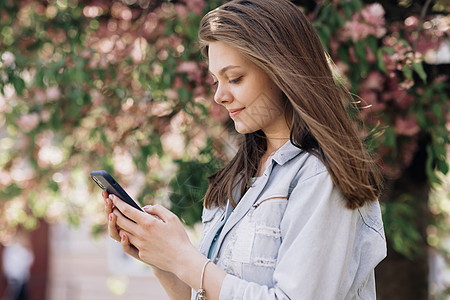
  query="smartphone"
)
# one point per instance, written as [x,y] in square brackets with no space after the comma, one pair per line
[107,183]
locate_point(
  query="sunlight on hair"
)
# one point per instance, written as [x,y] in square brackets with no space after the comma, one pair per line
[214,24]
[337,76]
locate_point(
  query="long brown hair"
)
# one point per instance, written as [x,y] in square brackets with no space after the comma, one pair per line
[277,37]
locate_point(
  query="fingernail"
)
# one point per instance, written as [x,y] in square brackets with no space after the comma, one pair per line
[111,196]
[110,216]
[123,236]
[147,207]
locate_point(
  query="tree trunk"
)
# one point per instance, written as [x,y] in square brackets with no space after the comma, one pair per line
[398,277]
[39,276]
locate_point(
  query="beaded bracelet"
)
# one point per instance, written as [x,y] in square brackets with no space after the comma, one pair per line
[201,291]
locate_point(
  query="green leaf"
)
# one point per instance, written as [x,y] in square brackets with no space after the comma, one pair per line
[407,72]
[357,5]
[442,166]
[380,62]
[9,192]
[437,111]
[373,43]
[418,67]
[360,51]
[184,96]
[19,85]
[346,7]
[389,137]
[399,217]
[343,54]
[429,166]
[340,20]
[325,12]
[421,119]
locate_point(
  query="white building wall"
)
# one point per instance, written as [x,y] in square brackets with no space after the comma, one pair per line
[86,268]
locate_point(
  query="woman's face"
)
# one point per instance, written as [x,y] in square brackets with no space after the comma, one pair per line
[253,101]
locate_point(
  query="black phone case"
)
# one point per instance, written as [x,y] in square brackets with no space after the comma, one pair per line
[107,183]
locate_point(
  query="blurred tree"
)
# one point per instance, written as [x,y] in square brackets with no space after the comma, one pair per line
[120,85]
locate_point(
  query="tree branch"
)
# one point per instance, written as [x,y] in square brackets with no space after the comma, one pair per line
[419,26]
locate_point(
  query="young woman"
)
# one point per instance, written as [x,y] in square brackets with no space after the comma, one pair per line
[294,215]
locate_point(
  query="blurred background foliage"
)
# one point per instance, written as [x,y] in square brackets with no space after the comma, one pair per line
[121,86]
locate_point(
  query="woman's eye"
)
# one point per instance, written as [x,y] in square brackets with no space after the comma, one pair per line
[215,83]
[237,80]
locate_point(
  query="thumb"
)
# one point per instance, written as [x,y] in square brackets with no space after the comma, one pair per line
[159,212]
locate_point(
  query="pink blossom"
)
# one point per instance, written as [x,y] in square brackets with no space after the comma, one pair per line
[177,83]
[192,69]
[173,143]
[379,31]
[28,122]
[139,50]
[351,55]
[45,115]
[5,178]
[389,63]
[182,10]
[342,67]
[53,93]
[196,6]
[406,126]
[411,21]
[355,30]
[374,14]
[40,95]
[199,91]
[374,81]
[370,101]
[397,94]
[441,78]
[218,112]
[408,150]
[370,56]
[369,22]
[402,99]
[86,53]
[8,58]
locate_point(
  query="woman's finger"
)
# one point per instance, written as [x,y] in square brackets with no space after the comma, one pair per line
[126,209]
[108,209]
[127,247]
[123,222]
[112,227]
[160,212]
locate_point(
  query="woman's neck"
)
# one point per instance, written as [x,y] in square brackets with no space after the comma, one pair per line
[273,144]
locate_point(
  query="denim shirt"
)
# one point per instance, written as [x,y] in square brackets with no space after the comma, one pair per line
[291,236]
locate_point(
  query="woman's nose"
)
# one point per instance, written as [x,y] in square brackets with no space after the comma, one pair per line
[222,95]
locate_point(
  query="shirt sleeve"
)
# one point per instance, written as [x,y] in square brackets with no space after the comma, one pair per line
[327,251]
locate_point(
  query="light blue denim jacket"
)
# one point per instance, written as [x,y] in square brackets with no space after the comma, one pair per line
[292,237]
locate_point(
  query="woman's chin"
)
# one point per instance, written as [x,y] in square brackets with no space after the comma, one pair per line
[242,129]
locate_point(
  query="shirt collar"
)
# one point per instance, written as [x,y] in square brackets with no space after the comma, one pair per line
[287,152]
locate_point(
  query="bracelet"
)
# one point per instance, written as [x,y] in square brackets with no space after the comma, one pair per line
[201,291]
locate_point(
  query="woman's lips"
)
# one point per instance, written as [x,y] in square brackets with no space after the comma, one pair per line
[234,112]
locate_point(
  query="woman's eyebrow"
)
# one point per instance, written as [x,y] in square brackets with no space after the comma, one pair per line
[224,69]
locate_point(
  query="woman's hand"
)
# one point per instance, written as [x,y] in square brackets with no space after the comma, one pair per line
[113,229]
[158,236]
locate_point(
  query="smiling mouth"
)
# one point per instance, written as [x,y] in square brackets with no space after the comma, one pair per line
[233,113]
